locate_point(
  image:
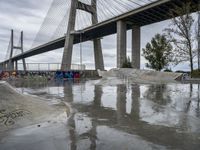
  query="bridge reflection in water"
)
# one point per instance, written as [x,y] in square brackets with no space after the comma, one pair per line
[130,116]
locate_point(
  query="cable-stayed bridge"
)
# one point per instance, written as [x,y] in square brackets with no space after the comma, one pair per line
[70,22]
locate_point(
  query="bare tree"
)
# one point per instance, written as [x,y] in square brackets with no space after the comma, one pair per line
[181,34]
[198,36]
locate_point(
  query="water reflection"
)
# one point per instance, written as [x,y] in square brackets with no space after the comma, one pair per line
[130,123]
[158,94]
[135,102]
[188,104]
[160,117]
[198,102]
[68,91]
[98,92]
[121,104]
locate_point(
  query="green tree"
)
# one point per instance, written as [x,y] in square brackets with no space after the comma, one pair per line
[158,53]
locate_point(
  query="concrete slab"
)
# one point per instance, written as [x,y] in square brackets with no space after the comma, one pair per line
[137,76]
[17,110]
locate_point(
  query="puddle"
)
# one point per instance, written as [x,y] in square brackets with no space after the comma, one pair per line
[138,116]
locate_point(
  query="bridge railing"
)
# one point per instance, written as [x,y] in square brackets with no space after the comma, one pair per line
[48,66]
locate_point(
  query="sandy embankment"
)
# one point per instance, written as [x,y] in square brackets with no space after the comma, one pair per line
[18,110]
[120,76]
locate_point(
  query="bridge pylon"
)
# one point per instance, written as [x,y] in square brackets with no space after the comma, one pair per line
[67,54]
[13,47]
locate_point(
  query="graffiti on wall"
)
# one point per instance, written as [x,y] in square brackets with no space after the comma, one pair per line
[9,118]
[49,75]
[67,75]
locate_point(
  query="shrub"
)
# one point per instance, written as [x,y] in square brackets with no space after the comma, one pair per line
[195,74]
[127,63]
[168,70]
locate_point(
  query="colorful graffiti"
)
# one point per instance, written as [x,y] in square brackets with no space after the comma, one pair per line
[49,75]
[67,75]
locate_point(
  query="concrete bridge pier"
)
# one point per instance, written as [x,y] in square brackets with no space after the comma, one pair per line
[1,67]
[16,66]
[10,66]
[22,50]
[4,66]
[121,43]
[136,36]
[98,55]
[67,54]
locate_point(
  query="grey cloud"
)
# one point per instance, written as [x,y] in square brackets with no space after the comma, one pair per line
[20,15]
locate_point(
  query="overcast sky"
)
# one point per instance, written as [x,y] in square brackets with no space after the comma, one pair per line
[28,15]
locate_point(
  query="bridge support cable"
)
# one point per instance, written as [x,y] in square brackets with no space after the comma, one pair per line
[61,29]
[8,50]
[56,20]
[54,17]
